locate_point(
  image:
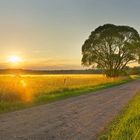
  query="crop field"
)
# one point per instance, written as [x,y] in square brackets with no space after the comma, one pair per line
[18,90]
[27,87]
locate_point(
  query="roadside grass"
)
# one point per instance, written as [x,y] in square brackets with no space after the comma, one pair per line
[66,93]
[43,98]
[126,126]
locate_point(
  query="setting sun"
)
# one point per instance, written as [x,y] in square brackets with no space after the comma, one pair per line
[15,59]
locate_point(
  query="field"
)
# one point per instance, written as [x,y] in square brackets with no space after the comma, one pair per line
[26,87]
[17,91]
[127,125]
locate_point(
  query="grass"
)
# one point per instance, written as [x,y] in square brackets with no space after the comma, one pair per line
[126,126]
[17,92]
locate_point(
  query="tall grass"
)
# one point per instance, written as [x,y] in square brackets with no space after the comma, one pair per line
[27,87]
[127,124]
[18,92]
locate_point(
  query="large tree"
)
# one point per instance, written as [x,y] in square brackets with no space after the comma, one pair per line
[111,48]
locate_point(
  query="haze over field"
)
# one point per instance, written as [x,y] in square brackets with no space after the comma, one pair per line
[48,34]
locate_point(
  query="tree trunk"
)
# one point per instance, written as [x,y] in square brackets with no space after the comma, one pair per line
[112,73]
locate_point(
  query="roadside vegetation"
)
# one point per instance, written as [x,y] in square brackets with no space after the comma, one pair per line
[126,126]
[18,92]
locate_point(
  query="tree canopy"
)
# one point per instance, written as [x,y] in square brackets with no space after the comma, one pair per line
[111,48]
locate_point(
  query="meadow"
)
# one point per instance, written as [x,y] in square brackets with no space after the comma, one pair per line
[19,91]
[126,126]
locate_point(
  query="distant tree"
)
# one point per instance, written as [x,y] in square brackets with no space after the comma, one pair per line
[135,70]
[111,48]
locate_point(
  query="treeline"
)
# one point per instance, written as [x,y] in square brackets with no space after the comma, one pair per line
[127,71]
[25,71]
[134,70]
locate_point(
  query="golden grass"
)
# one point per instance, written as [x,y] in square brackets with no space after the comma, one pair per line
[26,87]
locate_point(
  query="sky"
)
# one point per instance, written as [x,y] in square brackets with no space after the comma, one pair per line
[49,34]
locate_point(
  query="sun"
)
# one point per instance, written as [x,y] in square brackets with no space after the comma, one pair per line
[14,59]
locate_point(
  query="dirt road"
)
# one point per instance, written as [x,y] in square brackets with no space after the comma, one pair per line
[77,118]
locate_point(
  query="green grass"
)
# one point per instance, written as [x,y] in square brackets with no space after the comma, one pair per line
[126,126]
[44,98]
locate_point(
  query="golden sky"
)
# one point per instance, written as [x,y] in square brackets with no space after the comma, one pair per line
[48,34]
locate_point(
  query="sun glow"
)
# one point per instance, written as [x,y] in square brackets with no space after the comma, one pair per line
[14,59]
